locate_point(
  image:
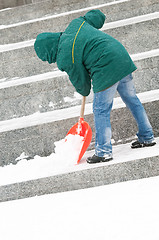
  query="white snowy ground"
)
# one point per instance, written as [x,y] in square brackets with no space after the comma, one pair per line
[122,211]
[63,161]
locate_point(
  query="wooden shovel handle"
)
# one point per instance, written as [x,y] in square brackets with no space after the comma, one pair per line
[83,107]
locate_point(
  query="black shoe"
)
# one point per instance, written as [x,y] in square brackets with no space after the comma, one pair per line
[138,144]
[96,159]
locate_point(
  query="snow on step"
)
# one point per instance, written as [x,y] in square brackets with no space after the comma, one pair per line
[131,21]
[41,167]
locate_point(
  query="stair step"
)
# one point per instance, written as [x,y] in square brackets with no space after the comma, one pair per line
[67,113]
[128,164]
[25,5]
[5,5]
[24,62]
[110,25]
[46,9]
[53,90]
[29,29]
[37,133]
[6,83]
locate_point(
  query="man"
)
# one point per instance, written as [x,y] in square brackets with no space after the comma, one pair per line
[92,57]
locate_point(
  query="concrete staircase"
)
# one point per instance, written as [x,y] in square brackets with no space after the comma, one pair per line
[38,103]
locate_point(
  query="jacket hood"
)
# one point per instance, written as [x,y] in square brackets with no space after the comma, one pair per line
[95,18]
[46,46]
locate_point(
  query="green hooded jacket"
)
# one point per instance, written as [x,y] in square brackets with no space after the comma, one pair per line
[86,54]
[46,46]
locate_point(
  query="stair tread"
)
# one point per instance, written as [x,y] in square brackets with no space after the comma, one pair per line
[45,10]
[43,167]
[29,31]
[66,113]
[35,178]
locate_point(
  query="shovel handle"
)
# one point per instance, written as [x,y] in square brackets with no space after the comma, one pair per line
[83,107]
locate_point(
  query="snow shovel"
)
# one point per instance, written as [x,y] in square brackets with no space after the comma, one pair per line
[83,129]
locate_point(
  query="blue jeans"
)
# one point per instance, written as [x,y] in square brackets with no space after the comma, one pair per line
[102,105]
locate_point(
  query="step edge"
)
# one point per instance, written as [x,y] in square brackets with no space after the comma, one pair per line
[112,25]
[21,190]
[62,14]
[66,113]
[57,73]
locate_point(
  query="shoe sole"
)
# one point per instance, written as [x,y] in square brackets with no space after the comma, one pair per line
[106,160]
[143,145]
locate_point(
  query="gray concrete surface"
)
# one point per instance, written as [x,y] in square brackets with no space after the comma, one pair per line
[93,177]
[26,99]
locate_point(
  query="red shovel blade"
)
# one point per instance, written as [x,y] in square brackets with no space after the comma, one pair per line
[83,129]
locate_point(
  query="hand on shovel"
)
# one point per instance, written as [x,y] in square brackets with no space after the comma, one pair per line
[83,129]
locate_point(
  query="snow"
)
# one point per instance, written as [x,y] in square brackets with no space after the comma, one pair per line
[5,9]
[121,211]
[35,78]
[3,79]
[67,150]
[145,55]
[130,21]
[22,156]
[18,45]
[64,160]
[66,154]
[51,105]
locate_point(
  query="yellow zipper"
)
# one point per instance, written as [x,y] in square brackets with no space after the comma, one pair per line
[73,60]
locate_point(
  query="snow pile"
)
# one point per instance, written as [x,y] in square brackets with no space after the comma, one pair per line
[67,150]
[64,160]
[66,155]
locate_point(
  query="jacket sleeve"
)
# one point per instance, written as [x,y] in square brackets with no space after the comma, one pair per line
[80,79]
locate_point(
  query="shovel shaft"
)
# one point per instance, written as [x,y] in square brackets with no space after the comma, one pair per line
[83,107]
